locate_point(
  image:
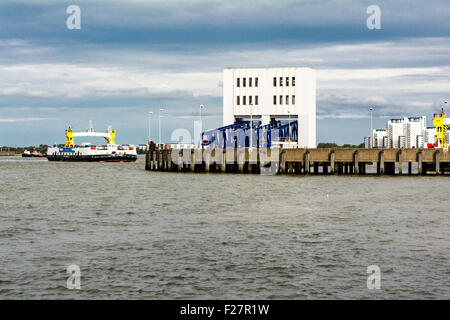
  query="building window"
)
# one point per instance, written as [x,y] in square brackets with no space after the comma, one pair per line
[250,100]
[238,100]
[249,82]
[256,99]
[256,82]
[281,81]
[293,99]
[238,82]
[281,99]
[244,100]
[287,81]
[293,81]
[287,99]
[243,82]
[274,81]
[275,100]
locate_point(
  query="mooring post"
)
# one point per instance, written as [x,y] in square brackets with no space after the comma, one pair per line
[169,160]
[419,162]
[355,162]
[152,160]
[437,156]
[207,157]
[223,165]
[147,161]
[283,161]
[400,162]
[192,164]
[306,165]
[240,160]
[180,159]
[332,158]
[381,162]
[163,160]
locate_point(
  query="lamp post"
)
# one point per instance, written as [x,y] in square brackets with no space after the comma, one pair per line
[149,126]
[371,128]
[251,126]
[201,107]
[159,126]
[201,126]
[289,126]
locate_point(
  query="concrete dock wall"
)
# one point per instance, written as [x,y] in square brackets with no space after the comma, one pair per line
[300,161]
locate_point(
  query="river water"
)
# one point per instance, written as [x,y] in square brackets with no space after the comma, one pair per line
[149,235]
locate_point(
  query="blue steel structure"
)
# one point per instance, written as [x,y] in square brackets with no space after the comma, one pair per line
[238,135]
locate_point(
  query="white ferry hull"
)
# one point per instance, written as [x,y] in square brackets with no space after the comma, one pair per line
[93,154]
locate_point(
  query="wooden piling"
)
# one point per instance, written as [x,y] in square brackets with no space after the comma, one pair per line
[437,155]
[283,162]
[306,165]
[381,163]
[332,163]
[419,162]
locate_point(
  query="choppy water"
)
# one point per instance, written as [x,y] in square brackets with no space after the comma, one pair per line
[138,234]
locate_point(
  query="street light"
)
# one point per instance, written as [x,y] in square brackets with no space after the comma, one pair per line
[149,126]
[159,126]
[371,128]
[201,126]
[289,125]
[201,107]
[251,126]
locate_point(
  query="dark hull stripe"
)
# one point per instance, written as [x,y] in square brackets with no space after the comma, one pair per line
[128,158]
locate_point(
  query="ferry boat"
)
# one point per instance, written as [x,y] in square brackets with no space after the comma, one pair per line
[110,152]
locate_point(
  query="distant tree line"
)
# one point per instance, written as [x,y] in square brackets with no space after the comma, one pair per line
[19,150]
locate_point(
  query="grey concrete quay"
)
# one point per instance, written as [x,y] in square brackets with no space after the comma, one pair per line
[330,161]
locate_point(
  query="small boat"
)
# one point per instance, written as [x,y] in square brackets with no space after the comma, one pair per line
[37,154]
[26,154]
[33,154]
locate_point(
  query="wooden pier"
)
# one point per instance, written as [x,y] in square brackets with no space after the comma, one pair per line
[353,161]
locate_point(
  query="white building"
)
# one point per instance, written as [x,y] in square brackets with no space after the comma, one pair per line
[378,138]
[394,131]
[366,142]
[402,133]
[429,136]
[266,94]
[415,126]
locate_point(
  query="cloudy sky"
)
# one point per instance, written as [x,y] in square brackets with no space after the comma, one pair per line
[131,57]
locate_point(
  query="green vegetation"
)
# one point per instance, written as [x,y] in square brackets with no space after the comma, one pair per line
[19,150]
[335,145]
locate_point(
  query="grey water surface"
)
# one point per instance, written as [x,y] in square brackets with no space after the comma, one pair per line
[150,235]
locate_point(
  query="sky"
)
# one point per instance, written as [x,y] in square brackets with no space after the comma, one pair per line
[132,57]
